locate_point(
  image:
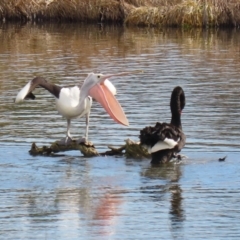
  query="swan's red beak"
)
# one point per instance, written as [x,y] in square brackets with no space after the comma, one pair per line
[105,97]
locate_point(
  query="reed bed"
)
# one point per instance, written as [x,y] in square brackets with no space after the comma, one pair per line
[184,13]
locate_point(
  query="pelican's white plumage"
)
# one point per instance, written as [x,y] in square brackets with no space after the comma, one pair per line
[22,94]
[68,101]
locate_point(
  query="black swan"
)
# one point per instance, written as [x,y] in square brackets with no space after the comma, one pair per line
[165,140]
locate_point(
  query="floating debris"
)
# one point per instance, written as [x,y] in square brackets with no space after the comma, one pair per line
[222,159]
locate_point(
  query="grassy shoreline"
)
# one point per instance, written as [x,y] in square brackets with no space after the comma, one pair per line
[160,13]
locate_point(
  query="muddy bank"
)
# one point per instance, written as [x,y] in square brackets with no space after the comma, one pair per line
[160,13]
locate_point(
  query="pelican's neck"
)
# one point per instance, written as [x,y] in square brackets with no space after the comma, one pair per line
[82,105]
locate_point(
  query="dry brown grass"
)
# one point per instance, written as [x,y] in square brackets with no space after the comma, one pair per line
[187,13]
[205,12]
[85,10]
[228,12]
[80,10]
[145,16]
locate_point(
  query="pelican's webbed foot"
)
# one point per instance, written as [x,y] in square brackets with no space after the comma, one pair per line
[65,141]
[82,140]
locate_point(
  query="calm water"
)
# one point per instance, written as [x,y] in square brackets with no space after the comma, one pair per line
[71,197]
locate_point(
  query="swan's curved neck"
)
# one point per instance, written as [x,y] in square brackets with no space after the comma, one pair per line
[177,103]
[176,120]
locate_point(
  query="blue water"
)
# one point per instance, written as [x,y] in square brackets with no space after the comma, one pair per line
[72,197]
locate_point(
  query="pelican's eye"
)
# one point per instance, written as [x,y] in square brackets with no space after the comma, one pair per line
[98,76]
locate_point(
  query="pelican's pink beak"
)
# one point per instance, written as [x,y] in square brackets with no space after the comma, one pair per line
[105,97]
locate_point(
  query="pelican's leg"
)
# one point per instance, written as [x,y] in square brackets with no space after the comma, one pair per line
[84,139]
[87,125]
[67,139]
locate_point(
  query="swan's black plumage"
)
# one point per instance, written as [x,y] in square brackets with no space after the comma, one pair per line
[149,136]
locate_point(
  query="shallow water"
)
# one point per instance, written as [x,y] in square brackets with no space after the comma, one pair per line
[71,197]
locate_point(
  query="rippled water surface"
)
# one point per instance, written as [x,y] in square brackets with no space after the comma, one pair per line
[72,197]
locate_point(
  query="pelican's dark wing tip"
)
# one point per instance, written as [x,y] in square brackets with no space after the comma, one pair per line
[30,96]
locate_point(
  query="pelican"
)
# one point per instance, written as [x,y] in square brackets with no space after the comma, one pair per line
[76,102]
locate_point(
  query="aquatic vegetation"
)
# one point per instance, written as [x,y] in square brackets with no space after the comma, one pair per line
[184,13]
[130,149]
